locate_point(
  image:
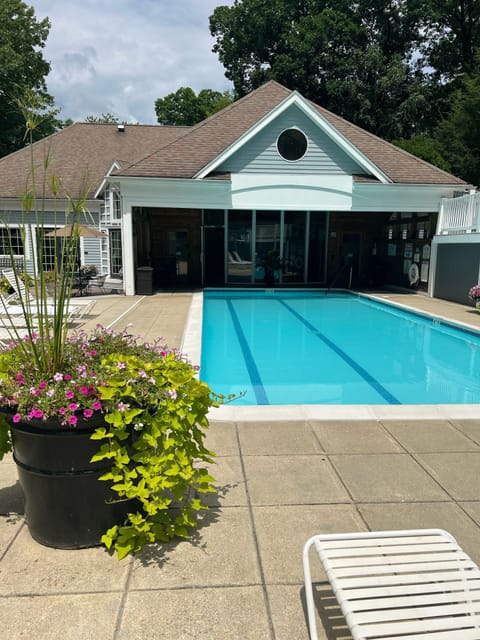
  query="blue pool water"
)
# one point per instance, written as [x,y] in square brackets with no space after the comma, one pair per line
[296,347]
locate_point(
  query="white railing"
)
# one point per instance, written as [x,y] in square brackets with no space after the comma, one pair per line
[459,215]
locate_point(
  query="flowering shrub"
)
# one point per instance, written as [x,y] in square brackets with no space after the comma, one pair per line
[474,293]
[72,392]
[153,406]
[154,412]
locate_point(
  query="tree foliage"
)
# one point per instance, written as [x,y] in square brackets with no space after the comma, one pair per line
[453,30]
[105,118]
[355,58]
[185,107]
[22,72]
[394,67]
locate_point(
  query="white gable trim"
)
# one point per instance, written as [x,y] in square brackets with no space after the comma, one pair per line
[296,99]
[115,167]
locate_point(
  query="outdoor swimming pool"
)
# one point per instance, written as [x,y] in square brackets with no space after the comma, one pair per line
[312,347]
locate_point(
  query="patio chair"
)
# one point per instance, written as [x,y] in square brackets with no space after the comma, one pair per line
[98,281]
[76,308]
[400,585]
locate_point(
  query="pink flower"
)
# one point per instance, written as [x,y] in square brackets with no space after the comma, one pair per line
[121,365]
[62,411]
[121,406]
[69,395]
[87,413]
[84,391]
[73,406]
[97,406]
[172,393]
[67,377]
[58,377]
[72,420]
[17,417]
[37,413]
[42,385]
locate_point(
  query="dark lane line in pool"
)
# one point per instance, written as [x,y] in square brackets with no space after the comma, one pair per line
[379,388]
[255,378]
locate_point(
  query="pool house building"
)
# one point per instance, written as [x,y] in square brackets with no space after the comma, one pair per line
[273,190]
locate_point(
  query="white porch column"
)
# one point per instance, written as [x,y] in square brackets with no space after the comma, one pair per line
[127,249]
[432,272]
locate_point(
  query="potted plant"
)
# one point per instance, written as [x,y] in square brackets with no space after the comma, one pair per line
[107,430]
[129,414]
[272,265]
[474,294]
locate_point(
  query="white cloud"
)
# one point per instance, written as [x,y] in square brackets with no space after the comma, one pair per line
[119,56]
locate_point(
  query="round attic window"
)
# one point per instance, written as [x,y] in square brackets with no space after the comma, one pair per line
[292,144]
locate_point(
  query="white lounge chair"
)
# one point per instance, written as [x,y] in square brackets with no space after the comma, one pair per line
[76,308]
[398,585]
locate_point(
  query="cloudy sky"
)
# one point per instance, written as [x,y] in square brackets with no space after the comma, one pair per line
[119,56]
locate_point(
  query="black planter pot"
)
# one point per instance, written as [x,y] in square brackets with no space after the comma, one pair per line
[66,506]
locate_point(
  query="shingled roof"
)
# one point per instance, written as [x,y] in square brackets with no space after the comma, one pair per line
[189,154]
[82,154]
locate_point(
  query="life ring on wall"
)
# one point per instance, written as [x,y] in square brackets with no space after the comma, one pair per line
[413,274]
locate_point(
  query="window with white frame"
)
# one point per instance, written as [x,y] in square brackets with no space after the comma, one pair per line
[11,241]
[117,209]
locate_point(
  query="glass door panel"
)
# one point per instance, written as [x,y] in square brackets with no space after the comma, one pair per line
[178,250]
[267,248]
[316,248]
[294,246]
[239,258]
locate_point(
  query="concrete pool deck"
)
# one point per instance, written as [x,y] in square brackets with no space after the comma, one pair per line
[280,479]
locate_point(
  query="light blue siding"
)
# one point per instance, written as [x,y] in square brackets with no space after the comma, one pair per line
[92,253]
[260,154]
[16,218]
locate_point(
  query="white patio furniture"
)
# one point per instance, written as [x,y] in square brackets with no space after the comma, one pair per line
[398,585]
[75,312]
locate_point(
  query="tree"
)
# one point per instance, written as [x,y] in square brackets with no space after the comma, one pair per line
[459,133]
[454,36]
[428,148]
[184,107]
[359,59]
[22,73]
[105,118]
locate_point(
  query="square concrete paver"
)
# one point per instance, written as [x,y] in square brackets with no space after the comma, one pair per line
[386,478]
[430,436]
[196,614]
[11,495]
[283,530]
[277,438]
[221,552]
[473,510]
[9,527]
[29,568]
[221,438]
[288,614]
[229,483]
[292,480]
[471,428]
[458,473]
[425,515]
[85,616]
[354,437]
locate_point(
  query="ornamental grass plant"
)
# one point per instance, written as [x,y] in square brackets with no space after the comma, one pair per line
[152,405]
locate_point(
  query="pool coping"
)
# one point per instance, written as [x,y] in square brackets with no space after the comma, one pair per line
[191,345]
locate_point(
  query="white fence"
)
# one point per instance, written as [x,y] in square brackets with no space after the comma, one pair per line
[459,215]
